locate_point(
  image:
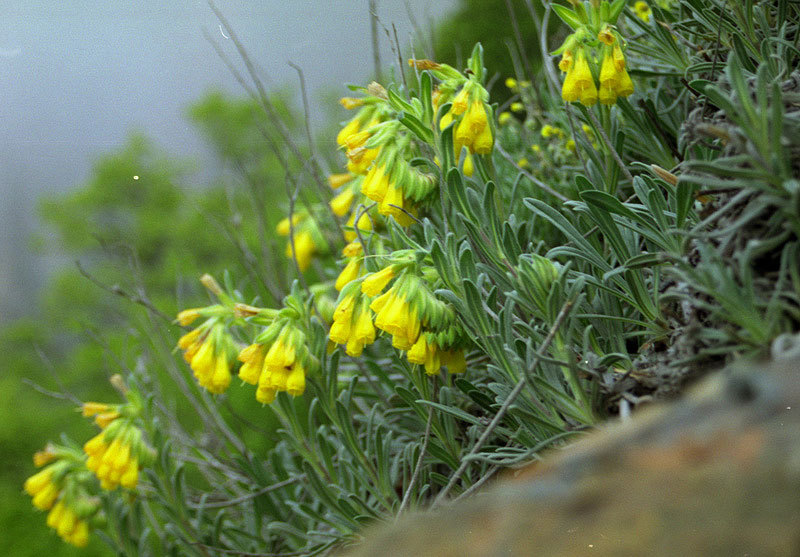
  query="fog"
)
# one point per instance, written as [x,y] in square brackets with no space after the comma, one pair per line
[76,77]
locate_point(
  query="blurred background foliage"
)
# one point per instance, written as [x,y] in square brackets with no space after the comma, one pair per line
[149,238]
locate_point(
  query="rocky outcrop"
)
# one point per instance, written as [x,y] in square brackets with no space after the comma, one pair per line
[716,473]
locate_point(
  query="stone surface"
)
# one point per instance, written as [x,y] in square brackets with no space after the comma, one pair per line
[716,473]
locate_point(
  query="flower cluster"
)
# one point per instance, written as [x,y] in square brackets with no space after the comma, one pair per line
[63,488]
[116,454]
[418,323]
[277,360]
[595,48]
[208,348]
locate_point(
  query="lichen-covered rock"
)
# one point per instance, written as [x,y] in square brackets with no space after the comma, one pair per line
[717,473]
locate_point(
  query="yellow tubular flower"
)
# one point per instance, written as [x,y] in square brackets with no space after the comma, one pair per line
[113,463]
[609,78]
[566,61]
[69,527]
[606,36]
[350,102]
[221,378]
[189,338]
[360,159]
[283,227]
[338,180]
[471,125]
[483,142]
[375,183]
[393,205]
[265,395]
[469,166]
[460,102]
[619,57]
[282,353]
[353,249]
[432,360]
[296,381]
[624,85]
[89,409]
[511,83]
[419,351]
[375,282]
[642,10]
[40,486]
[504,118]
[340,330]
[579,83]
[203,361]
[446,120]
[364,225]
[187,316]
[342,202]
[364,330]
[252,359]
[349,129]
[349,273]
[304,249]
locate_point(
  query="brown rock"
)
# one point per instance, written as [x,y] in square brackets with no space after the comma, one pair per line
[717,473]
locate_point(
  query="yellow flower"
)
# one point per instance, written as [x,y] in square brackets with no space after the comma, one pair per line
[606,36]
[374,283]
[353,249]
[69,527]
[187,316]
[360,159]
[342,202]
[283,227]
[42,488]
[579,83]
[566,61]
[350,102]
[471,125]
[504,118]
[523,163]
[517,107]
[349,273]
[393,205]
[296,381]
[114,462]
[304,249]
[253,360]
[375,183]
[349,129]
[364,225]
[469,166]
[338,180]
[483,143]
[460,102]
[625,84]
[642,10]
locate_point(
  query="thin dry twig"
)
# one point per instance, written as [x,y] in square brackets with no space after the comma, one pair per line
[139,299]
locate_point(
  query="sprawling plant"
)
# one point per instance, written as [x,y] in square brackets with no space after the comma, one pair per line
[507,279]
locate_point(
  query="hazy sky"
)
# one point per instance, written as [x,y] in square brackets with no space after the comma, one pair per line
[77,76]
